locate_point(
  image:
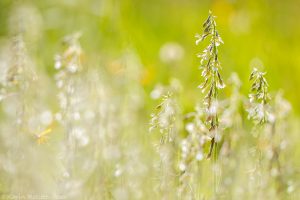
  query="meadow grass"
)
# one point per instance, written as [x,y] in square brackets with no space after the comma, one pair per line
[83,132]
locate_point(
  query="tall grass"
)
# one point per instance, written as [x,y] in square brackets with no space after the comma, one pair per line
[82,132]
[222,155]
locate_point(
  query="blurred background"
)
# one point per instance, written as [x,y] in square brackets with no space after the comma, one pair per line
[94,123]
[262,33]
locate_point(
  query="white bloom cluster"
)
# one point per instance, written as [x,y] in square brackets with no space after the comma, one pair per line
[259,110]
[192,149]
[209,62]
[164,118]
[210,66]
[171,52]
[198,135]
[71,58]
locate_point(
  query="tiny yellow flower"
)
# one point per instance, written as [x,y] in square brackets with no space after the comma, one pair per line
[43,136]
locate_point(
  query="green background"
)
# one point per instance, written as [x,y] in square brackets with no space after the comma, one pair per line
[265,30]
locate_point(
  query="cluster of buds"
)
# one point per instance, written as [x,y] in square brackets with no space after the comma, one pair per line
[72,56]
[164,118]
[213,82]
[259,97]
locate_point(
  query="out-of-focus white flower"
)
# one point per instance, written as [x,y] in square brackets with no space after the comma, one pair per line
[171,52]
[80,135]
[290,188]
[118,171]
[76,116]
[59,83]
[72,68]
[158,91]
[46,117]
[182,167]
[66,174]
[62,100]
[57,63]
[58,116]
[199,156]
[190,127]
